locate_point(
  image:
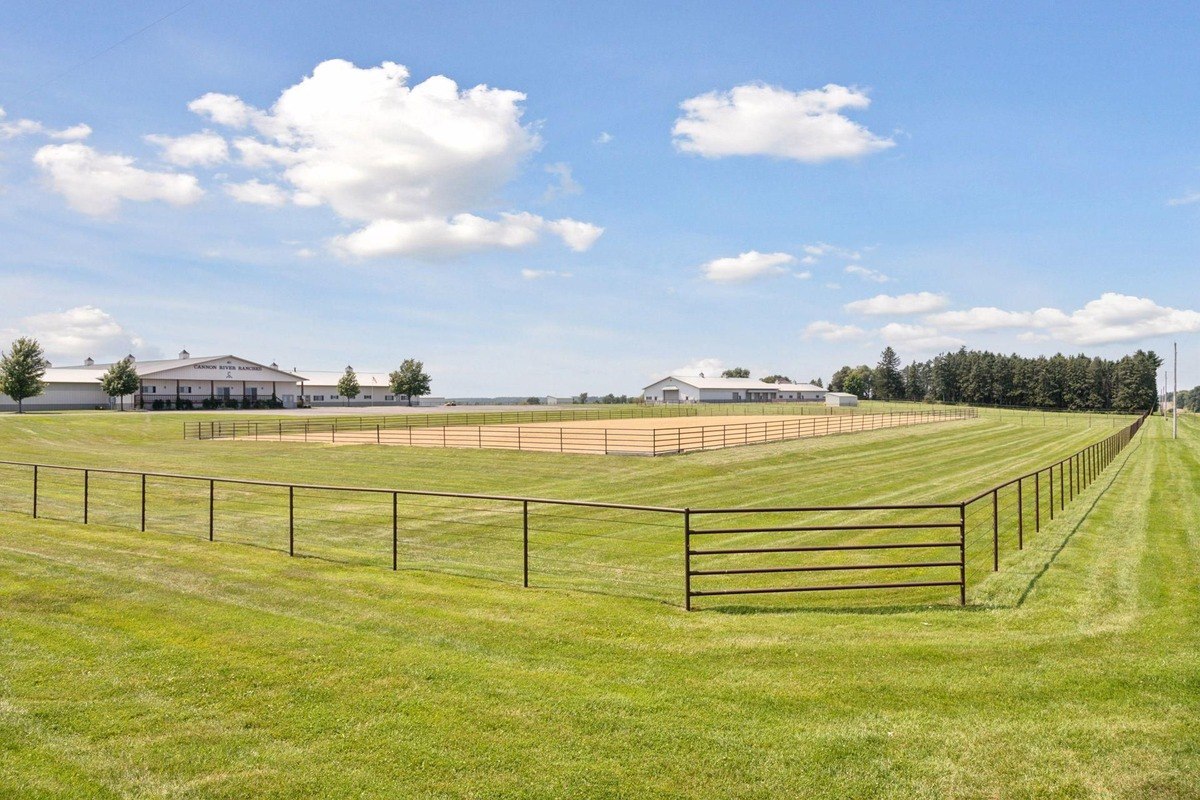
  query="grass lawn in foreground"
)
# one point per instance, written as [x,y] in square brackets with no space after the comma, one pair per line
[155,665]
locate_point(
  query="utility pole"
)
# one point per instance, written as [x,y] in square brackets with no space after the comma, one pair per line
[1175,400]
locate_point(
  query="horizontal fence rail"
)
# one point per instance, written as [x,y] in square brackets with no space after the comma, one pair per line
[581,544]
[548,438]
[243,428]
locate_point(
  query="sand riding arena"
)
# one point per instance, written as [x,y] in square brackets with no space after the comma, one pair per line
[644,436]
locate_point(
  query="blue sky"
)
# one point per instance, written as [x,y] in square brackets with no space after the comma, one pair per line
[844,176]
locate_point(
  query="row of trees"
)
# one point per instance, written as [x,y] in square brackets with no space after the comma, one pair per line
[409,381]
[980,377]
[1189,399]
[742,372]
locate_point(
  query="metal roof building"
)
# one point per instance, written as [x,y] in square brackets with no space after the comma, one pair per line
[699,389]
[319,388]
[187,381]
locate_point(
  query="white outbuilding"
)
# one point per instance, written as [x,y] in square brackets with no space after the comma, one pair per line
[699,389]
[320,388]
[840,399]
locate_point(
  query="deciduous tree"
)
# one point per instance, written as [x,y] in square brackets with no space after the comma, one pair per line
[410,380]
[21,371]
[120,379]
[348,386]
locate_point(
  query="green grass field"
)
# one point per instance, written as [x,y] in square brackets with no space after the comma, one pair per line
[161,665]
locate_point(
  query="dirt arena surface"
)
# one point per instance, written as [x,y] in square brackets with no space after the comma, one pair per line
[639,436]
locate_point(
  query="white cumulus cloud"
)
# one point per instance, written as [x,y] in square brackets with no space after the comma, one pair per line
[257,193]
[224,109]
[981,318]
[27,127]
[80,332]
[96,183]
[712,367]
[413,164]
[204,149]
[832,332]
[756,119]
[914,303]
[745,267]
[1112,317]
[920,338]
[436,237]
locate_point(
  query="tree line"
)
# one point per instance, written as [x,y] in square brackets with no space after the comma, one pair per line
[980,377]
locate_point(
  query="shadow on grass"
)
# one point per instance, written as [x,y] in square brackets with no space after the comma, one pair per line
[867,611]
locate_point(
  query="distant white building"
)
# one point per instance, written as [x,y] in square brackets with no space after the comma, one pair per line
[840,399]
[699,389]
[186,381]
[319,388]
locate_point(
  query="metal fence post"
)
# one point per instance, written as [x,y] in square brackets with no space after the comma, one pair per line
[525,543]
[211,504]
[85,496]
[687,559]
[1062,491]
[291,520]
[35,490]
[143,502]
[962,554]
[996,530]
[395,534]
[1037,502]
[1020,515]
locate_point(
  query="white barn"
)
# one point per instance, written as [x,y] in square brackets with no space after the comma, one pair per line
[699,389]
[840,399]
[186,381]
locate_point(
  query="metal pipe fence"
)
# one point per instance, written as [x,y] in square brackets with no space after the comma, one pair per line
[264,428]
[250,429]
[583,545]
[606,440]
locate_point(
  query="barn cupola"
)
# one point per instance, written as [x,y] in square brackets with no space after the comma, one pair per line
[130,358]
[89,361]
[184,354]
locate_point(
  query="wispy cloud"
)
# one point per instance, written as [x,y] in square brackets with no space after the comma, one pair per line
[1185,200]
[866,274]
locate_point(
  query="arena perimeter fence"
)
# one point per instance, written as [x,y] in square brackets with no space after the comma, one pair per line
[302,426]
[250,428]
[627,441]
[633,550]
